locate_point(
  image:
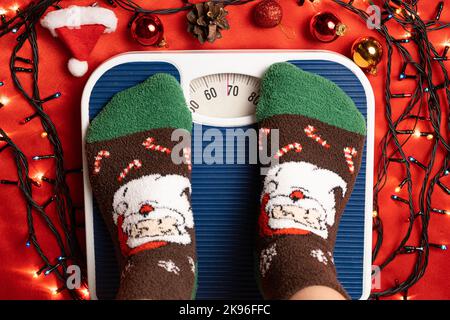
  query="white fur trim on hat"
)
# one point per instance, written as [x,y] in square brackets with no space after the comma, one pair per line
[75,17]
[77,68]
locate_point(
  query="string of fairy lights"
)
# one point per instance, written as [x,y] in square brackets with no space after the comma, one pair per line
[423,116]
[424,110]
[63,228]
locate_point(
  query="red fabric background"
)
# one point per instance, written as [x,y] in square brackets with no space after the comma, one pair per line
[18,263]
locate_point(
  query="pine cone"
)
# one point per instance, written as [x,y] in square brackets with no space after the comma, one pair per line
[206,20]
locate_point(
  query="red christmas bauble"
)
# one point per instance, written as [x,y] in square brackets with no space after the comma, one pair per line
[267,14]
[148,30]
[326,27]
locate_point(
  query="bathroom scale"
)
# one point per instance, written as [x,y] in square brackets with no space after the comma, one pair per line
[221,90]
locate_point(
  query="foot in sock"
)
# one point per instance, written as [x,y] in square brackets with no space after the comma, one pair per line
[321,139]
[143,196]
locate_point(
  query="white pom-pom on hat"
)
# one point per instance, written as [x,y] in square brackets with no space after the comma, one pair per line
[77,68]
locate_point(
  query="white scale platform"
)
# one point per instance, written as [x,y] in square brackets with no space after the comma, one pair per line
[220,88]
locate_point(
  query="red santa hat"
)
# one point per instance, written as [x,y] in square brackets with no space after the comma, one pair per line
[80,28]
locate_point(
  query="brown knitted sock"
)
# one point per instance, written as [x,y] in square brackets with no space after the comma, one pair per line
[321,139]
[143,195]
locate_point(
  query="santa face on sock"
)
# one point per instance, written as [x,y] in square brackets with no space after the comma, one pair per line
[152,211]
[299,198]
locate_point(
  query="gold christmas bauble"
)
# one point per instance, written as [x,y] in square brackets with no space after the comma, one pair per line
[367,53]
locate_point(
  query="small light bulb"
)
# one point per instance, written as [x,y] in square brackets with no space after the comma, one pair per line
[85,292]
[417,133]
[44,135]
[38,176]
[2,11]
[430,136]
[398,11]
[4,100]
[375,214]
[54,291]
[14,7]
[398,189]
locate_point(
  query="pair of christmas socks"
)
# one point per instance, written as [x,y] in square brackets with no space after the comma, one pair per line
[144,195]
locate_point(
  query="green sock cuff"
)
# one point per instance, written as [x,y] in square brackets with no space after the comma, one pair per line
[286,89]
[158,102]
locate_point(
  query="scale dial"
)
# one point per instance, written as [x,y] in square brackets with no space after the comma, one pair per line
[224,95]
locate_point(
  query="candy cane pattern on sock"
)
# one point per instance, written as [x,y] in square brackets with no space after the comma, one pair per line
[187,157]
[98,159]
[297,147]
[350,152]
[310,133]
[135,164]
[262,131]
[150,145]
